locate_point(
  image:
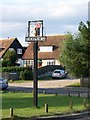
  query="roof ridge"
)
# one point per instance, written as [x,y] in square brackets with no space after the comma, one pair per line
[56,35]
[7,39]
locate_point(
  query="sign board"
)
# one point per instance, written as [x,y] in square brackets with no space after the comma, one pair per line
[33,26]
[33,39]
[35,31]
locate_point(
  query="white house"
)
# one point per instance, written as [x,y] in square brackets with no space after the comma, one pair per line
[48,52]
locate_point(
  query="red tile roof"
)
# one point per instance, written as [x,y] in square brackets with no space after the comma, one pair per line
[5,44]
[51,41]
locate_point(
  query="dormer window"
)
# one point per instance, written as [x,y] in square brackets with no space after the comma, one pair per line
[46,49]
[19,51]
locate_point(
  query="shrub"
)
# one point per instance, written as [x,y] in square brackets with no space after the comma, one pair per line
[26,75]
[22,75]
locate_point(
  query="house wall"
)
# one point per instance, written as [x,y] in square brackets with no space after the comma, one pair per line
[16,45]
[57,62]
[44,63]
[50,62]
[19,51]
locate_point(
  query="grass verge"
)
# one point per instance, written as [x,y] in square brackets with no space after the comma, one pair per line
[74,85]
[22,103]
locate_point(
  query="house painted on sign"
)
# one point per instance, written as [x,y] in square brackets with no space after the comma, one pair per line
[48,52]
[12,44]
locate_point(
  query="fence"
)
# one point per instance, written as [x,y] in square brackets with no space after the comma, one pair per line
[10,75]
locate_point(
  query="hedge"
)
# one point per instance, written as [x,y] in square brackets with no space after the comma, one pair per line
[22,73]
[13,69]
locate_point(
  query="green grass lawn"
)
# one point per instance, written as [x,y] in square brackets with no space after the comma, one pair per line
[74,85]
[23,104]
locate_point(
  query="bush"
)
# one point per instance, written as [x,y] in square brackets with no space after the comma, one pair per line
[13,69]
[22,75]
[26,75]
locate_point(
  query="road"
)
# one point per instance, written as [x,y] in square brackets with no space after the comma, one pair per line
[51,87]
[78,116]
[47,83]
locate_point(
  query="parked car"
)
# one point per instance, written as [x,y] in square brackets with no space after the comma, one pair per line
[59,74]
[3,83]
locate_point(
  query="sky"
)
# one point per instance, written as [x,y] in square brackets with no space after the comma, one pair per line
[59,16]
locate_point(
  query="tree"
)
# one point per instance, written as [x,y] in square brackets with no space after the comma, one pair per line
[9,58]
[76,51]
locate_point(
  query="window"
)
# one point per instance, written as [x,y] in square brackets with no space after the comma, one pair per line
[50,62]
[19,51]
[11,49]
[45,49]
[32,62]
[26,62]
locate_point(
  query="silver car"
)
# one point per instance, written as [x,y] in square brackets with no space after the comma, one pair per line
[3,83]
[59,74]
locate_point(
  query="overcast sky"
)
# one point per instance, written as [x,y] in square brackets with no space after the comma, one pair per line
[59,16]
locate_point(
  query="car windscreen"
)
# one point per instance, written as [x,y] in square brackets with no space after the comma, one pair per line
[57,72]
